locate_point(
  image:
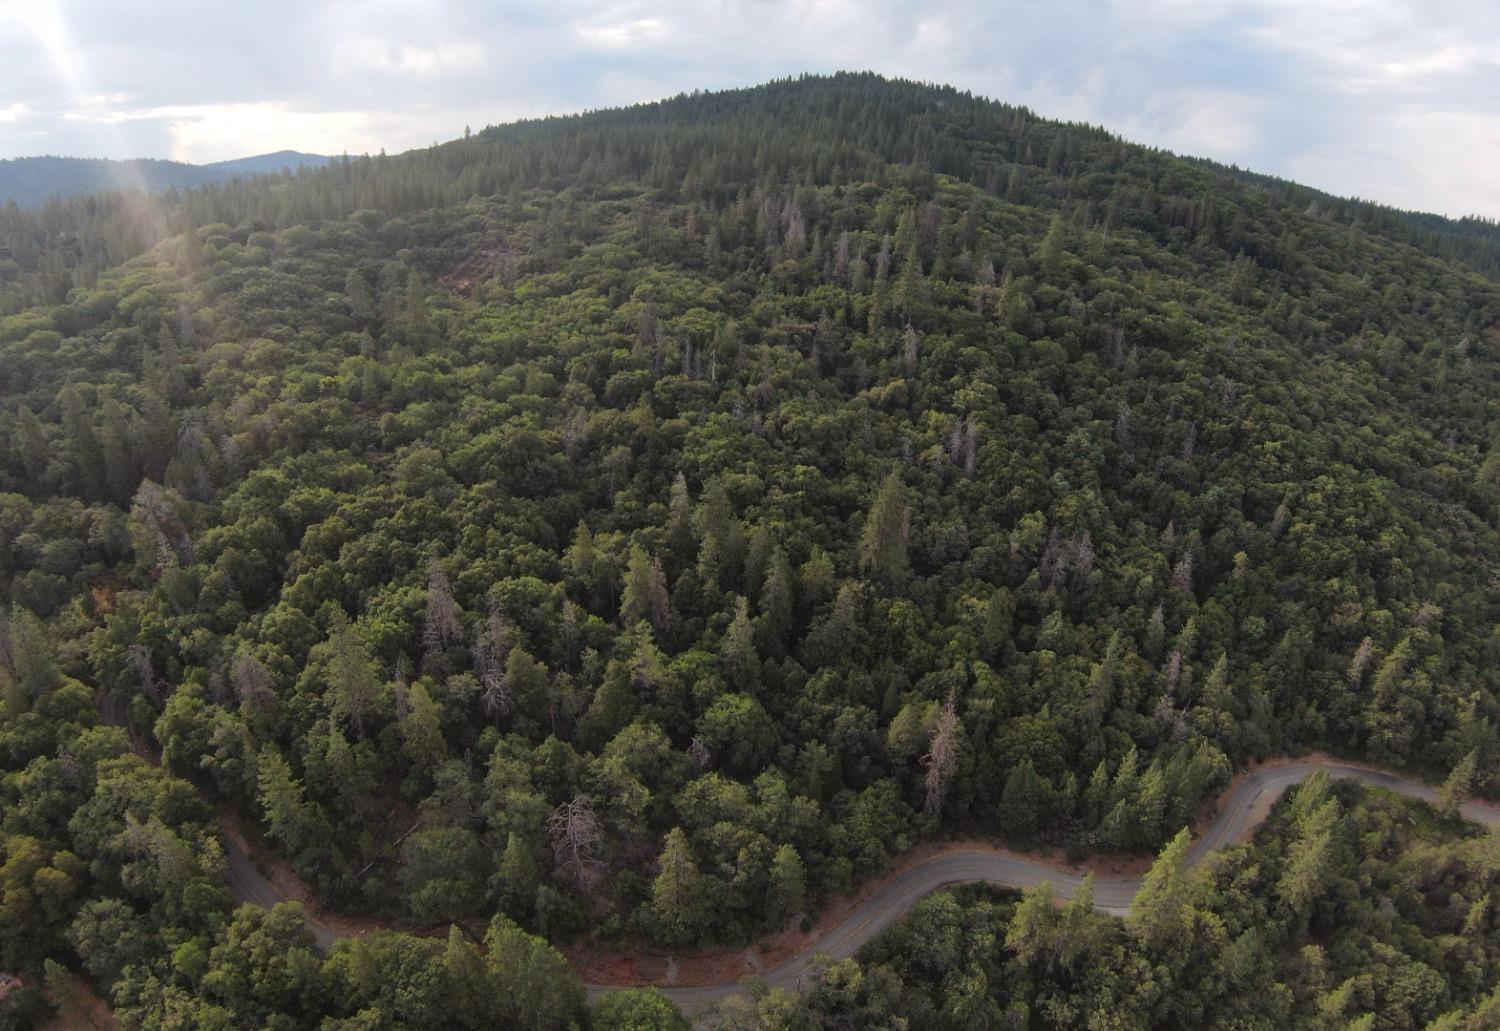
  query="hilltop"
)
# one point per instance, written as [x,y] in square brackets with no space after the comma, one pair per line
[646,524]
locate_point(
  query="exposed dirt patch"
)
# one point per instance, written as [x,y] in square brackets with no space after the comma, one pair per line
[474,270]
[79,1008]
[103,595]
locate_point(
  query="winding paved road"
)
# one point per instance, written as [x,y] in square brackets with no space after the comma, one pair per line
[1241,809]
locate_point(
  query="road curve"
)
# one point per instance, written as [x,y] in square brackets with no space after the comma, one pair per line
[1240,810]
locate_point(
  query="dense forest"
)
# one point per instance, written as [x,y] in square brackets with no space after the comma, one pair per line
[646,524]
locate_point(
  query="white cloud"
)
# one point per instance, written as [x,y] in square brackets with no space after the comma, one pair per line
[378,55]
[1415,158]
[621,35]
[14,113]
[1220,124]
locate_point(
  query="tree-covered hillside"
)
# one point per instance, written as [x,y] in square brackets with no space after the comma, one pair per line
[651,522]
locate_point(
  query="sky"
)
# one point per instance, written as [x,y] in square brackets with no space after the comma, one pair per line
[1392,100]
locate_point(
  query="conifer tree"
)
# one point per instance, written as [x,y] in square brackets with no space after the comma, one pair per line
[1159,911]
[678,896]
[882,547]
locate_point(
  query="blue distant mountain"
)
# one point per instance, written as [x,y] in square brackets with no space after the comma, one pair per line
[31,182]
[281,159]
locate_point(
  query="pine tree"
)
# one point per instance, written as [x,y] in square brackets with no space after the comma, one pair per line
[517,878]
[1388,678]
[678,896]
[1032,926]
[741,662]
[1456,788]
[1309,860]
[635,601]
[1158,913]
[422,729]
[32,655]
[88,455]
[722,541]
[31,442]
[289,815]
[466,983]
[1077,927]
[681,542]
[882,547]
[353,685]
[776,602]
[787,894]
[1022,801]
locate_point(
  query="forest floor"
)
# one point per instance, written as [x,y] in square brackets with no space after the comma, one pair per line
[81,1009]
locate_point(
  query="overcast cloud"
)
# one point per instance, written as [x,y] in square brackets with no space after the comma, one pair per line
[1396,100]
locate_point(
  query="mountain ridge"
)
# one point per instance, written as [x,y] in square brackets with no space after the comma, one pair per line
[32,182]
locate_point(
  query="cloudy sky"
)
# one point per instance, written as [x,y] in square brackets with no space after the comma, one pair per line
[1395,100]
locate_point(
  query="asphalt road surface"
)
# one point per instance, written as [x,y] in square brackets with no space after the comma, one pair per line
[1240,811]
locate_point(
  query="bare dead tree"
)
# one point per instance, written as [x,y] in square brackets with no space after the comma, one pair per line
[575,434]
[971,448]
[699,755]
[1169,540]
[1182,573]
[1361,660]
[68,767]
[155,510]
[441,627]
[219,691]
[570,633]
[1123,436]
[7,655]
[1173,670]
[1279,520]
[660,605]
[1052,566]
[491,649]
[795,229]
[883,258]
[942,756]
[1426,613]
[909,352]
[139,658]
[252,683]
[575,833]
[841,258]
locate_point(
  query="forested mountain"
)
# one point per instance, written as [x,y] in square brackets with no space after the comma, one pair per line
[32,182]
[276,161]
[648,523]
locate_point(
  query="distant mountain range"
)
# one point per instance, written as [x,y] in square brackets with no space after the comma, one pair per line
[31,182]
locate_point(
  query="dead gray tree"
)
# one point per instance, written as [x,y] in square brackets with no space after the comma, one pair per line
[575,833]
[252,683]
[942,756]
[441,627]
[491,649]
